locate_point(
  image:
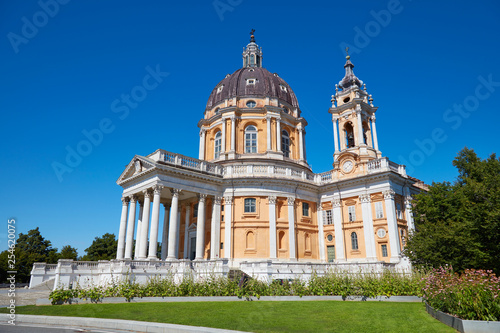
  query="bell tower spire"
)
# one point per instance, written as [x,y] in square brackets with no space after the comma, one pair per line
[252,54]
[353,117]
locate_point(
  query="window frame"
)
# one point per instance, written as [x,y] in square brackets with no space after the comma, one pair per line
[383,249]
[251,204]
[217,144]
[251,139]
[354,241]
[285,143]
[305,209]
[351,214]
[328,217]
[379,208]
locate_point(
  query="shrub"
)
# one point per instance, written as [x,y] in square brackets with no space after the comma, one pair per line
[473,295]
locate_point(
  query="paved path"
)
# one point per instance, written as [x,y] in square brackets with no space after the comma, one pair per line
[25,296]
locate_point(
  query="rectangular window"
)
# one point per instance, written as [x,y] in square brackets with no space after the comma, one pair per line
[330,250]
[384,250]
[379,210]
[327,217]
[305,209]
[352,213]
[250,205]
[222,218]
[222,207]
[195,210]
[222,246]
[399,211]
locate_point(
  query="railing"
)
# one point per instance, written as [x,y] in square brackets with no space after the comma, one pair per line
[231,171]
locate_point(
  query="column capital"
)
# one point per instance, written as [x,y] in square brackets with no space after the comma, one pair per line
[228,200]
[133,198]
[272,199]
[217,200]
[202,131]
[373,118]
[147,193]
[389,194]
[201,197]
[157,189]
[233,118]
[175,192]
[319,207]
[336,203]
[125,201]
[408,200]
[335,118]
[268,118]
[166,205]
[290,201]
[365,198]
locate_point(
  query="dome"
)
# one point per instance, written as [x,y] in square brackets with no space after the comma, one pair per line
[255,82]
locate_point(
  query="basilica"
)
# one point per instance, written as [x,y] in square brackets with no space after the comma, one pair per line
[251,202]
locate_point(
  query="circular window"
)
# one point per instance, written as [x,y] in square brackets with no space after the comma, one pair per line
[347,99]
[286,110]
[381,233]
[329,237]
[251,104]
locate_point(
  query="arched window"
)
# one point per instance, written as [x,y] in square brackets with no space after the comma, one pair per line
[349,135]
[250,205]
[217,146]
[354,241]
[285,143]
[251,139]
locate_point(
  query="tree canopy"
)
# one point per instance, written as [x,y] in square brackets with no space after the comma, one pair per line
[459,223]
[102,248]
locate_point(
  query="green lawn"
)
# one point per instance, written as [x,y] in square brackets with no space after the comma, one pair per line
[260,316]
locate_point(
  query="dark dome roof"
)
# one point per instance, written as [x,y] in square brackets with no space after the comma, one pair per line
[266,85]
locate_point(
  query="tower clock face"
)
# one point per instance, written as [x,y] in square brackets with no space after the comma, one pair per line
[347,166]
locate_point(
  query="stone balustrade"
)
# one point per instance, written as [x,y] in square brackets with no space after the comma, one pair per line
[266,170]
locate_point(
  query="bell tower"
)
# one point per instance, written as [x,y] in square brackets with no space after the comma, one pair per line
[353,117]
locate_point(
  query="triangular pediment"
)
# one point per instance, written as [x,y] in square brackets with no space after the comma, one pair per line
[138,165]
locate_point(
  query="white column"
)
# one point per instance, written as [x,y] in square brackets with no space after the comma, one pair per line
[130,228]
[409,214]
[268,119]
[202,144]
[301,142]
[200,227]
[339,233]
[272,227]
[172,228]
[335,133]
[366,210]
[155,221]
[374,129]
[138,233]
[360,129]
[233,133]
[278,134]
[164,235]
[186,231]
[178,237]
[145,225]
[392,224]
[291,226]
[223,142]
[215,229]
[321,233]
[228,202]
[123,229]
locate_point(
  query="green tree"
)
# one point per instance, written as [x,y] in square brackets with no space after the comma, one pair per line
[459,223]
[30,248]
[68,252]
[102,248]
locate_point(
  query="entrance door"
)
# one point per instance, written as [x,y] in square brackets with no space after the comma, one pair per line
[192,248]
[331,253]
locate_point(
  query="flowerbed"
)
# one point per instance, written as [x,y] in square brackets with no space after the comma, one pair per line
[473,295]
[368,285]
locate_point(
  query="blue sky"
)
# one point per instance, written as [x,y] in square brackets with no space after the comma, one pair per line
[431,66]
